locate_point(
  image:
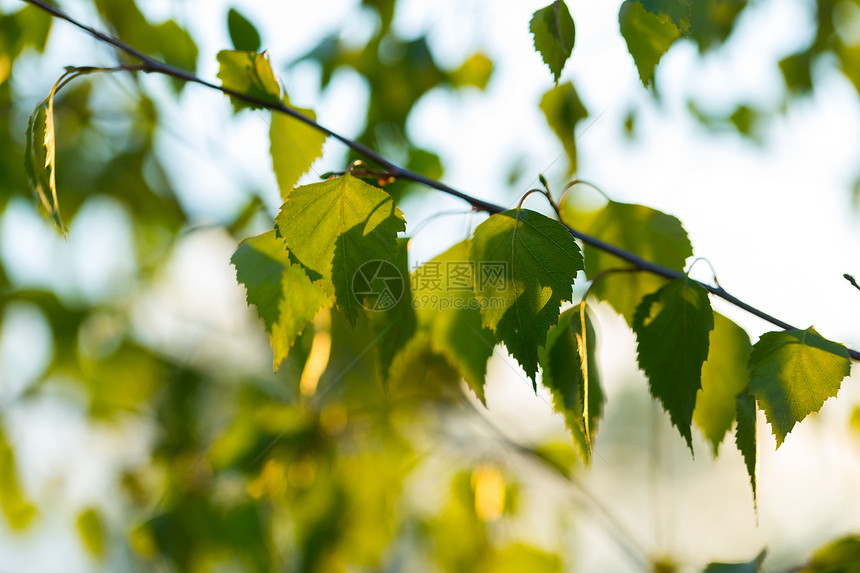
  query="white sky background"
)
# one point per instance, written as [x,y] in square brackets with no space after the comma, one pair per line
[775,221]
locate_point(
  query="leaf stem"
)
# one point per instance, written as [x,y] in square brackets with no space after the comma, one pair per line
[151,65]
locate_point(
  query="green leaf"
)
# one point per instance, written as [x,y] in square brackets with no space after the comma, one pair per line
[554,35]
[724,376]
[840,556]
[294,147]
[243,34]
[392,316]
[749,567]
[248,73]
[417,369]
[519,557]
[525,264]
[648,37]
[91,531]
[177,47]
[792,373]
[334,227]
[563,110]
[285,298]
[745,436]
[475,71]
[18,510]
[563,372]
[40,159]
[443,291]
[672,327]
[676,11]
[711,22]
[652,235]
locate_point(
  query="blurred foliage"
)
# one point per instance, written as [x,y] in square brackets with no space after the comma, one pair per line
[325,465]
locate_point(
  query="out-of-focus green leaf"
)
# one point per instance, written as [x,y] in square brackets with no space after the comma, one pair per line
[792,373]
[563,110]
[651,234]
[672,327]
[519,557]
[564,371]
[443,291]
[248,73]
[176,45]
[554,34]
[797,71]
[475,71]
[745,436]
[92,532]
[18,510]
[385,9]
[285,298]
[525,264]
[243,34]
[724,376]
[389,303]
[648,37]
[28,27]
[712,21]
[849,57]
[122,381]
[749,567]
[418,370]
[560,456]
[294,147]
[840,556]
[335,227]
[169,40]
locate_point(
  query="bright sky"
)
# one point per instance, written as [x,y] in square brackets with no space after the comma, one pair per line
[775,221]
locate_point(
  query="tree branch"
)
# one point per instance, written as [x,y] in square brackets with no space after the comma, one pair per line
[151,65]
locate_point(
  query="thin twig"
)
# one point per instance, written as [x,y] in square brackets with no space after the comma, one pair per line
[151,65]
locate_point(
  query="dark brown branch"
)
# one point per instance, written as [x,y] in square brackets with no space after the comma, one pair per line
[151,65]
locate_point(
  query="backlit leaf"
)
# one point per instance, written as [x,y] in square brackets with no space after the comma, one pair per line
[520,557]
[392,316]
[294,147]
[672,327]
[749,567]
[443,291]
[792,373]
[840,556]
[563,372]
[563,110]
[177,46]
[418,370]
[475,71]
[92,532]
[248,73]
[284,296]
[335,227]
[40,159]
[554,34]
[525,264]
[745,436]
[724,376]
[18,510]
[648,37]
[651,234]
[243,34]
